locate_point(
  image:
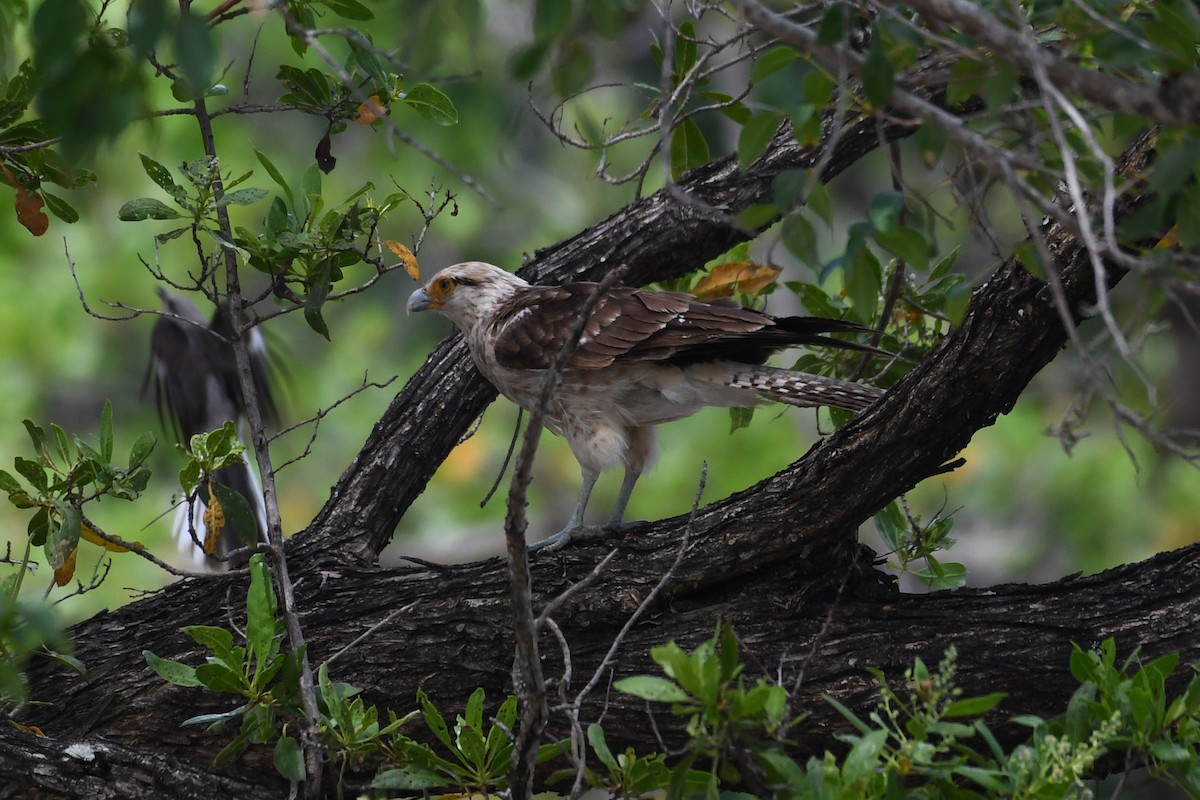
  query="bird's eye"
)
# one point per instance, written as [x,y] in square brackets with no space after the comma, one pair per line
[444,284]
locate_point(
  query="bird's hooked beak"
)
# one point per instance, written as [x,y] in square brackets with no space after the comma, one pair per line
[418,301]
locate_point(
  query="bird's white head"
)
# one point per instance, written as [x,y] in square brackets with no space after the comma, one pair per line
[466,292]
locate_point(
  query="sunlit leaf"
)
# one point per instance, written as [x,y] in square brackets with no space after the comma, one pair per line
[745,277]
[407,259]
[88,535]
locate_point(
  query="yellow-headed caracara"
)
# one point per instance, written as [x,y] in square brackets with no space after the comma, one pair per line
[644,358]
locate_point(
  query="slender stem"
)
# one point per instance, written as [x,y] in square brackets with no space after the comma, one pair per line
[311,744]
[528,681]
[16,592]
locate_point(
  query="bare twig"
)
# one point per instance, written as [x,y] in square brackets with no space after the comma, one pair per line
[528,681]
[315,419]
[139,549]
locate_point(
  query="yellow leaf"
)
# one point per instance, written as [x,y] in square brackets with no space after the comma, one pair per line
[90,535]
[34,729]
[371,110]
[214,520]
[736,276]
[1171,239]
[406,258]
[66,570]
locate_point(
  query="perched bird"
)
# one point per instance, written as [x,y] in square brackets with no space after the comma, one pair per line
[196,388]
[644,358]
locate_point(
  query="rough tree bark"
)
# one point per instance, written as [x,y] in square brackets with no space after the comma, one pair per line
[780,560]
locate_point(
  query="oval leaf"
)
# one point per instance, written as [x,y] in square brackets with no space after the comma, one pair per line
[170,671]
[289,760]
[146,208]
[651,687]
[431,104]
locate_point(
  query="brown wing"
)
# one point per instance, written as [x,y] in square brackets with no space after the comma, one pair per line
[636,325]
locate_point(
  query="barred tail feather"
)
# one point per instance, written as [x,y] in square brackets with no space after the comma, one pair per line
[804,389]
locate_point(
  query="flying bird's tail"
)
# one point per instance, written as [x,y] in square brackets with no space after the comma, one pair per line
[803,389]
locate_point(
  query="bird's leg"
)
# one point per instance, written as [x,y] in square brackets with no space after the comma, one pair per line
[638,456]
[617,520]
[574,526]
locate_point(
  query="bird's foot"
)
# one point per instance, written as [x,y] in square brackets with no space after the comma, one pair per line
[580,533]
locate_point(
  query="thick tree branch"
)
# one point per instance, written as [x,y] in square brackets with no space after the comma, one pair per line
[668,234]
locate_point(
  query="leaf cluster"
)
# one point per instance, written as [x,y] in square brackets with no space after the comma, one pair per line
[207,454]
[65,473]
[925,739]
[265,678]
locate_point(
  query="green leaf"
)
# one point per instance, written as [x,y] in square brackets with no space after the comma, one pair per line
[260,613]
[36,434]
[289,760]
[990,779]
[771,62]
[864,756]
[1172,753]
[433,720]
[431,104]
[146,21]
[931,142]
[9,484]
[942,575]
[162,177]
[652,687]
[145,208]
[276,176]
[863,282]
[174,672]
[595,736]
[237,510]
[196,50]
[141,449]
[241,197]
[216,720]
[878,76]
[973,706]
[349,9]
[685,48]
[60,208]
[66,538]
[885,210]
[39,527]
[62,445]
[689,149]
[220,678]
[850,716]
[908,244]
[474,711]
[832,26]
[756,135]
[1173,166]
[410,778]
[218,640]
[106,431]
[32,472]
[551,18]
